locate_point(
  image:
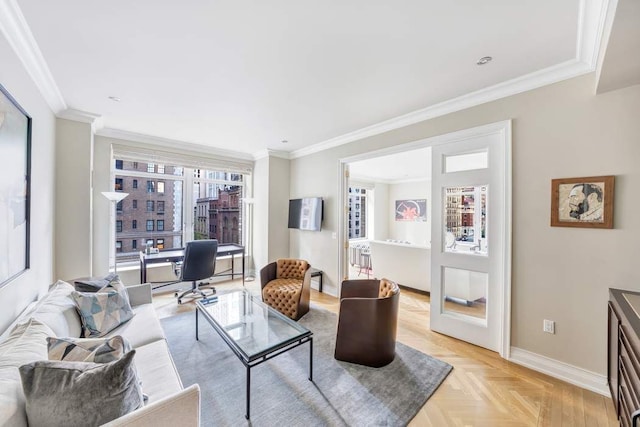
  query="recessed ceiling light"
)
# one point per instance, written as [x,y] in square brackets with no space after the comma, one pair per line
[284,141]
[115,99]
[484,60]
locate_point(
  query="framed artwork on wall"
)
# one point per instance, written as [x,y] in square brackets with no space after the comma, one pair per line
[15,174]
[411,210]
[582,202]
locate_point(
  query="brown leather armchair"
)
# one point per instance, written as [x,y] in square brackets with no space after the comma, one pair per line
[286,286]
[367,322]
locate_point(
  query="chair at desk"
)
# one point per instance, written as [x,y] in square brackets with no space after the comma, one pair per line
[199,263]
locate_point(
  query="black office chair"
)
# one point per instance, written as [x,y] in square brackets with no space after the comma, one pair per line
[199,263]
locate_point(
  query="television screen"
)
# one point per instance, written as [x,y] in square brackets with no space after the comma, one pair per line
[306,214]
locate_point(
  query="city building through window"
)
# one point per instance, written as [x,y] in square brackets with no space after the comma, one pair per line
[181,204]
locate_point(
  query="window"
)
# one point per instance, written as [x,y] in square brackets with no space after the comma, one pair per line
[119,207]
[149,242]
[119,226]
[160,243]
[357,206]
[135,165]
[118,184]
[134,244]
[118,245]
[214,209]
[135,183]
[118,164]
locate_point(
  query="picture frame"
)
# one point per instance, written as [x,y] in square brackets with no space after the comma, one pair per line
[411,210]
[585,202]
[15,189]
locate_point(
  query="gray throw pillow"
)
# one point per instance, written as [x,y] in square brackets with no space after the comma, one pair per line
[80,393]
[95,285]
[102,312]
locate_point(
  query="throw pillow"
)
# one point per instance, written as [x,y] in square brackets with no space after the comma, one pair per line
[26,343]
[102,312]
[95,285]
[97,350]
[62,393]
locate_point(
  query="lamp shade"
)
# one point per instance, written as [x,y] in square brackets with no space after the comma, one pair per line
[114,196]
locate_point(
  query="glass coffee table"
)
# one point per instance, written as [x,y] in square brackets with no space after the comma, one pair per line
[254,331]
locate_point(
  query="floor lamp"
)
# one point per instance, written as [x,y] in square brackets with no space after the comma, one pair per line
[114,197]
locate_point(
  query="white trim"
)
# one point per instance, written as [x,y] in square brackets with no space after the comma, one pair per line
[81,116]
[15,29]
[531,81]
[560,370]
[172,143]
[270,153]
[505,344]
[591,23]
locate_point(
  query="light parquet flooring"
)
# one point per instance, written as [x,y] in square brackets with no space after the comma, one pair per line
[482,390]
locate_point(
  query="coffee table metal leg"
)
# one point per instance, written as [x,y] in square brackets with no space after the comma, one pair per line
[197,324]
[248,390]
[311,359]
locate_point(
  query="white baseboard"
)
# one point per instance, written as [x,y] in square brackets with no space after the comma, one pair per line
[560,370]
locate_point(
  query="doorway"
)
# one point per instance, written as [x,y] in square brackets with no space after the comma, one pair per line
[424,260]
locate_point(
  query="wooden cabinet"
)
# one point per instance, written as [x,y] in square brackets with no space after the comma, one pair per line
[623,370]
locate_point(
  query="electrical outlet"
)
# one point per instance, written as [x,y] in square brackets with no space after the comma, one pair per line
[549,326]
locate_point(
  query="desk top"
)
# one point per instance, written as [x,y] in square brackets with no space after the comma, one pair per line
[177,253]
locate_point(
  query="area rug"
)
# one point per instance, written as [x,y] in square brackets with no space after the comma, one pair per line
[341,394]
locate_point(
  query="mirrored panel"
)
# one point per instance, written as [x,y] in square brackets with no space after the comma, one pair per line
[466,162]
[465,292]
[466,220]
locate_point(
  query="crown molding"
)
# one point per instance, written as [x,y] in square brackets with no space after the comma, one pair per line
[173,143]
[15,29]
[270,153]
[80,116]
[591,23]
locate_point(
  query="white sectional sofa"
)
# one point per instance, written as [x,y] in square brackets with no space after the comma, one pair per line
[169,403]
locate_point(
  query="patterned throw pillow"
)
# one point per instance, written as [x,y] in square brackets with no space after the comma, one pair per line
[97,350]
[102,312]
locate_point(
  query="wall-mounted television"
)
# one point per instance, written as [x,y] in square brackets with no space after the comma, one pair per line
[306,214]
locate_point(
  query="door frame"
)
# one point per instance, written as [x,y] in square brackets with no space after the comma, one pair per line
[503,129]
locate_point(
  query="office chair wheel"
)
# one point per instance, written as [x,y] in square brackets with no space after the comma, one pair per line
[179,301]
[176,294]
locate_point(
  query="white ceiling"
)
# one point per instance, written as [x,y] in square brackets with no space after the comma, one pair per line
[244,75]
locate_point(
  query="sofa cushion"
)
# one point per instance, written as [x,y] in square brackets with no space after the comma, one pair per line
[58,311]
[144,329]
[97,350]
[157,371]
[101,312]
[25,343]
[79,393]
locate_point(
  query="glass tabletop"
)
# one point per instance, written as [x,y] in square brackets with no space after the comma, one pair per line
[253,327]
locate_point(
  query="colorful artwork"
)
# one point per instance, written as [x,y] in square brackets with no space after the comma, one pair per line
[411,210]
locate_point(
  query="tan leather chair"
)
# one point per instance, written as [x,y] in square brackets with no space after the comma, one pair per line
[367,322]
[286,286]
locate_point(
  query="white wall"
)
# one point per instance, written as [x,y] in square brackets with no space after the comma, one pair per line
[562,274]
[74,199]
[415,232]
[18,293]
[381,215]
